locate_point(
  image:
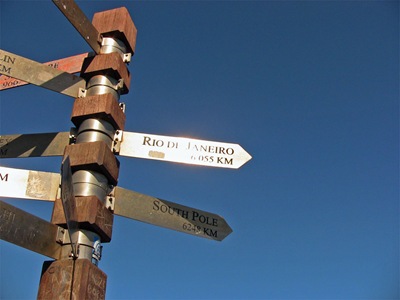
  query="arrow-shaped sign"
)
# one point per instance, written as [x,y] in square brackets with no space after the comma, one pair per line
[19,67]
[139,145]
[170,215]
[28,231]
[183,150]
[17,183]
[72,64]
[81,23]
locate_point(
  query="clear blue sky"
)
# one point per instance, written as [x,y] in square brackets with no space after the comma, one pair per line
[309,88]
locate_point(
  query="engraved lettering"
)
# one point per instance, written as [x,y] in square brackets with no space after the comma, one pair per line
[4,69]
[172,145]
[204,219]
[53,65]
[3,177]
[148,141]
[210,232]
[225,161]
[7,219]
[8,59]
[210,149]
[166,209]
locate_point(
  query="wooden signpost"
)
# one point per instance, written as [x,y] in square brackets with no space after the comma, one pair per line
[85,195]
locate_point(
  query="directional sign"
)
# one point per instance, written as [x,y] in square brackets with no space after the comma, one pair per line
[19,67]
[183,150]
[69,203]
[72,64]
[139,145]
[81,23]
[28,231]
[27,184]
[170,215]
[33,145]
[17,183]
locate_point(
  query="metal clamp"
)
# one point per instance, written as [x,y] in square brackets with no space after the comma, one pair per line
[122,106]
[110,45]
[102,84]
[116,147]
[62,237]
[82,93]
[127,58]
[73,133]
[110,199]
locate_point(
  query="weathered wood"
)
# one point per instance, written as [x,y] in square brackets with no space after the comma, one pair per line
[72,279]
[92,215]
[108,65]
[117,23]
[56,280]
[94,156]
[103,107]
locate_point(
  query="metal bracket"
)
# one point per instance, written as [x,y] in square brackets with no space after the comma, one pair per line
[122,105]
[82,93]
[73,133]
[127,58]
[110,199]
[117,141]
[62,236]
[120,84]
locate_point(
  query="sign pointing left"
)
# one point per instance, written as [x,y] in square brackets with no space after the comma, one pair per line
[28,231]
[27,184]
[72,64]
[19,67]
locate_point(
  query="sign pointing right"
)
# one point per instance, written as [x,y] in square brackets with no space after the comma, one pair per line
[183,150]
[133,144]
[170,215]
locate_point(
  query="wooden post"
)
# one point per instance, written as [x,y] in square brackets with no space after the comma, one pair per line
[97,116]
